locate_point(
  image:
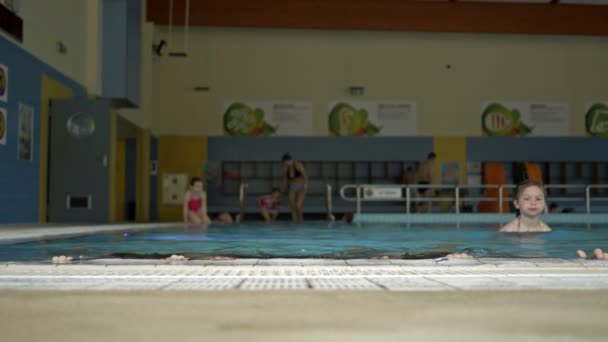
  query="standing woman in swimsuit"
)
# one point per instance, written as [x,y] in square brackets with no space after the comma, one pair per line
[195,203]
[295,181]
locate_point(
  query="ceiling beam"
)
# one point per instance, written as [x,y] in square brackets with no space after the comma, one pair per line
[390,15]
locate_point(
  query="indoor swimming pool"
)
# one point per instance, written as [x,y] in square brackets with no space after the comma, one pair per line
[316,240]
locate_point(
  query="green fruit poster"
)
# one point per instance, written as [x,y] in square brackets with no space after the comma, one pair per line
[371,118]
[512,118]
[267,118]
[596,119]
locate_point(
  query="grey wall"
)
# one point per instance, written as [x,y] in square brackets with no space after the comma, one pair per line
[319,148]
[539,149]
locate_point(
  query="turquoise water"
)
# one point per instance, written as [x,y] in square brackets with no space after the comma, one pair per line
[317,240]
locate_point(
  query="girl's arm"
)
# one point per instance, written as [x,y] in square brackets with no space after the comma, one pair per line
[186,199]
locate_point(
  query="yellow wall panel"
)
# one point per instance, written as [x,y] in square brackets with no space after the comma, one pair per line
[179,154]
[451,149]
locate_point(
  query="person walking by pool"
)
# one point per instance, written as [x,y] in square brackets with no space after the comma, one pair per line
[195,203]
[295,181]
[530,200]
[269,205]
[426,176]
[426,169]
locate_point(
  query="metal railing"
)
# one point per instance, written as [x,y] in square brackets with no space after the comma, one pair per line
[457,197]
[243,196]
[329,203]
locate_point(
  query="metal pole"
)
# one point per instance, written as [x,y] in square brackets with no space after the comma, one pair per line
[328,198]
[408,199]
[187,28]
[500,199]
[242,202]
[358,199]
[588,198]
[170,24]
[457,199]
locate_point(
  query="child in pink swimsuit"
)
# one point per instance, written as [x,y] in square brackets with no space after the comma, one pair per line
[269,205]
[195,203]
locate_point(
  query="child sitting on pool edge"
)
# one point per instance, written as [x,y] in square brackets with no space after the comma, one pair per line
[269,205]
[530,200]
[195,204]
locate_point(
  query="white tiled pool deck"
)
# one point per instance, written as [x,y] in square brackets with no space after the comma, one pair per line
[294,274]
[307,274]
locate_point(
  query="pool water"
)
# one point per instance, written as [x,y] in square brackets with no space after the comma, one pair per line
[317,240]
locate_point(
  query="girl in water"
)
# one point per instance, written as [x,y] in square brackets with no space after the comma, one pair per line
[530,200]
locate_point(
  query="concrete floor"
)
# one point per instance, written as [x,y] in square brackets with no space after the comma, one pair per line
[304,316]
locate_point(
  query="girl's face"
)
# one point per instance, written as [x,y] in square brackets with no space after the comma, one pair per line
[275,195]
[197,187]
[288,162]
[531,202]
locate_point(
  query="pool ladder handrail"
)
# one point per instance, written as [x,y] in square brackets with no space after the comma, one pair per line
[458,199]
[243,194]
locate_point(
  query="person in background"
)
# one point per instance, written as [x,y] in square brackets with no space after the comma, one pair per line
[409,176]
[426,169]
[295,181]
[426,176]
[225,218]
[195,204]
[269,205]
[553,208]
[347,218]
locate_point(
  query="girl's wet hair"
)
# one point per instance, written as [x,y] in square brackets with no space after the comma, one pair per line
[194,180]
[526,184]
[287,156]
[275,189]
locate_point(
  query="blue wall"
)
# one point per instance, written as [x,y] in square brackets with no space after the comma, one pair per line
[319,148]
[121,52]
[19,179]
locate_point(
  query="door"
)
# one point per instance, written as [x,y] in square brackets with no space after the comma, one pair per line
[79,152]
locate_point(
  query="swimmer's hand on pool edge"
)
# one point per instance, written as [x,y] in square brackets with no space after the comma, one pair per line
[175,257]
[598,254]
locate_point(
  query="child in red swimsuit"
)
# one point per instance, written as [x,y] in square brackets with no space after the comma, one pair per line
[195,203]
[269,205]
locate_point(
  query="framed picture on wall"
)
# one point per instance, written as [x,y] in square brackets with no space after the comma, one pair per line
[3,126]
[173,188]
[25,132]
[3,83]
